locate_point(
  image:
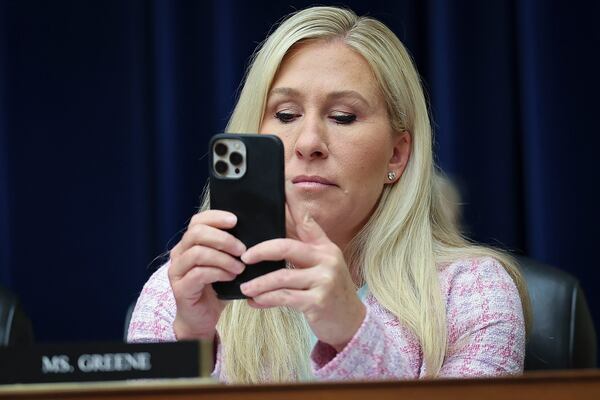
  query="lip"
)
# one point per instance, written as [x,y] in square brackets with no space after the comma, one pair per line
[312,180]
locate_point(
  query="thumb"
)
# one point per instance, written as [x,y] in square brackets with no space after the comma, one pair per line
[294,210]
[310,231]
[300,223]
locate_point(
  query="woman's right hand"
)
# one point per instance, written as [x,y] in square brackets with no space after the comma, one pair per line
[205,254]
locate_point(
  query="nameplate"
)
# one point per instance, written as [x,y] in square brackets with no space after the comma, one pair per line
[88,362]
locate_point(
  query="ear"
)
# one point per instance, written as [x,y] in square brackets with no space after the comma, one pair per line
[402,145]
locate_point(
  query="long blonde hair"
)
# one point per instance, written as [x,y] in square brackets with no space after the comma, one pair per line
[398,250]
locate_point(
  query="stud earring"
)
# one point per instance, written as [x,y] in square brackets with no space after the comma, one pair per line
[391,175]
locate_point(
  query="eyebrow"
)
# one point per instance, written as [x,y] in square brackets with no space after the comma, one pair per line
[287,91]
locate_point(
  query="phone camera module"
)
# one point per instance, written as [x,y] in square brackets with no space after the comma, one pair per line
[221,167]
[221,149]
[228,157]
[236,158]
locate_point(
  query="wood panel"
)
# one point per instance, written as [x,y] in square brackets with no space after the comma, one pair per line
[580,385]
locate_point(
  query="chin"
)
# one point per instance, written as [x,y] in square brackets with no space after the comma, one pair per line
[326,222]
[329,215]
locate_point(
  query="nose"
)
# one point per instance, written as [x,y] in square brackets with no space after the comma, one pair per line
[311,141]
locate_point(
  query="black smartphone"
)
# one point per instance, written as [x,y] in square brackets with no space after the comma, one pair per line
[247,178]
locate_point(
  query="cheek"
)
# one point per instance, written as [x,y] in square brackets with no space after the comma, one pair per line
[288,147]
[364,184]
[365,164]
[271,128]
[264,127]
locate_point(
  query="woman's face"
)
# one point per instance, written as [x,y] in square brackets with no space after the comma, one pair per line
[326,107]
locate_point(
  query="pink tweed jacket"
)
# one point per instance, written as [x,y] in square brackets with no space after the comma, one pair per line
[486,331]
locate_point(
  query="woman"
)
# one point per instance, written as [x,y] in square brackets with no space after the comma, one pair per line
[364,212]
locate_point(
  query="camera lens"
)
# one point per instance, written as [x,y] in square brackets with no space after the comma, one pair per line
[220,149]
[236,158]
[221,167]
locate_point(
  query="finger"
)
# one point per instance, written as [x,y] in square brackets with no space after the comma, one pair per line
[306,228]
[175,251]
[195,281]
[295,208]
[216,218]
[290,224]
[204,256]
[298,299]
[310,231]
[254,304]
[208,236]
[302,255]
[280,279]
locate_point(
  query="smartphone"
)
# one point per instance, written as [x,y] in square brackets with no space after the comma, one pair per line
[247,178]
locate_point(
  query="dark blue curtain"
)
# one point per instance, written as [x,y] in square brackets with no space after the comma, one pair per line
[106,108]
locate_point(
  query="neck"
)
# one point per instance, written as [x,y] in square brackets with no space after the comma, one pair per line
[354,268]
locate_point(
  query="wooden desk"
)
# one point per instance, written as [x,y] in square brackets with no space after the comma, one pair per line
[580,385]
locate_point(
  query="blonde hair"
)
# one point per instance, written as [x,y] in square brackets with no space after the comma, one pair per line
[400,248]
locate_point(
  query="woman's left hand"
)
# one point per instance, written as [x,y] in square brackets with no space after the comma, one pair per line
[320,285]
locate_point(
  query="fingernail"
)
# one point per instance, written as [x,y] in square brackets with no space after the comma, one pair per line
[244,258]
[240,248]
[240,268]
[231,219]
[244,287]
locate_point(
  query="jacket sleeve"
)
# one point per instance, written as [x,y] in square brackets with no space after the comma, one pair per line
[486,327]
[373,353]
[154,313]
[485,331]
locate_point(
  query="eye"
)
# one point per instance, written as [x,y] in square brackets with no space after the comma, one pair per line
[286,117]
[343,119]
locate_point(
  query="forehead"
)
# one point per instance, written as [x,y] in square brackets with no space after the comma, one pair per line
[327,66]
